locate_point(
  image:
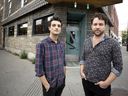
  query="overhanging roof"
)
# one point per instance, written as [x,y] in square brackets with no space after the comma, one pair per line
[97,3]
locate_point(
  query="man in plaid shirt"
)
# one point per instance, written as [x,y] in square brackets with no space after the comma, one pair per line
[50,61]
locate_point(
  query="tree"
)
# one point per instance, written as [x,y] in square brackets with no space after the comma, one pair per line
[124,37]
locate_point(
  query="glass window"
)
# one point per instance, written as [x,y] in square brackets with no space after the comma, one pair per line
[23,2]
[11,31]
[10,6]
[22,29]
[41,25]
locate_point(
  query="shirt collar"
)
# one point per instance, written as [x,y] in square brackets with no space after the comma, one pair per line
[105,37]
[50,40]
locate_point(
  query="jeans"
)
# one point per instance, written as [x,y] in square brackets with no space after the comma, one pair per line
[91,89]
[56,91]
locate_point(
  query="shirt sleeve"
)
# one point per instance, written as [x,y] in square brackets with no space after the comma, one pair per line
[64,60]
[117,59]
[82,58]
[39,63]
[64,55]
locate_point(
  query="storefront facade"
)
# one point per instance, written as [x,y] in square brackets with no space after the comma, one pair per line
[27,26]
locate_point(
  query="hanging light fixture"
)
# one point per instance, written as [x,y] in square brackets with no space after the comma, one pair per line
[75,4]
[88,6]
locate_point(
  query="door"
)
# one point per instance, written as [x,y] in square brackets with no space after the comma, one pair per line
[72,40]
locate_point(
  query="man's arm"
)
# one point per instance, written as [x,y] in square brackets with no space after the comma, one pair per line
[65,70]
[39,66]
[117,66]
[45,82]
[82,70]
[110,78]
[82,63]
[108,81]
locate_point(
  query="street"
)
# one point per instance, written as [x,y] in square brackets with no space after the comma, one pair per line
[17,78]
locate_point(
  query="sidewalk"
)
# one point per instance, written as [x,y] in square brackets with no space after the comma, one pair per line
[17,78]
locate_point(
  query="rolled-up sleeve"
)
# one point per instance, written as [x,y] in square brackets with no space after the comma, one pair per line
[82,58]
[117,60]
[39,62]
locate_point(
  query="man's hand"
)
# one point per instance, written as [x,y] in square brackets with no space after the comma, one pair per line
[107,82]
[47,87]
[45,82]
[82,75]
[102,84]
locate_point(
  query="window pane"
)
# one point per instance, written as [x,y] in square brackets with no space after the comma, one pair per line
[41,25]
[39,28]
[11,31]
[23,29]
[49,18]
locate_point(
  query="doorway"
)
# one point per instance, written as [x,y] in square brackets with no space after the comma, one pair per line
[74,30]
[72,41]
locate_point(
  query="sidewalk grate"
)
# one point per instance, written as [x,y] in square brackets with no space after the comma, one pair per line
[35,89]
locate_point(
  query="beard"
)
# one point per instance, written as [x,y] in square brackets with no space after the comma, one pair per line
[98,33]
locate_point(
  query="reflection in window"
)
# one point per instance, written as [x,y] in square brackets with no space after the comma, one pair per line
[41,25]
[10,6]
[22,29]
[23,2]
[72,37]
[11,31]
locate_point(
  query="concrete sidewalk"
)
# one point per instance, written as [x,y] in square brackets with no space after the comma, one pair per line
[17,78]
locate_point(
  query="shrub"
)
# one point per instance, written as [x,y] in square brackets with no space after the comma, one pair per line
[23,55]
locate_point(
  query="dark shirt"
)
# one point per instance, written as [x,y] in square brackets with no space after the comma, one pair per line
[50,61]
[101,60]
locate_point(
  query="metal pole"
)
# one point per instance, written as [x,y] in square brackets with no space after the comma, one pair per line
[127,41]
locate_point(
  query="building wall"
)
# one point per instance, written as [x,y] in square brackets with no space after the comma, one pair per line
[114,17]
[17,44]
[1,30]
[14,5]
[1,38]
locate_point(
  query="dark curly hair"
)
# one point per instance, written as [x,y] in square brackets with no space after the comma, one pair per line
[54,19]
[100,16]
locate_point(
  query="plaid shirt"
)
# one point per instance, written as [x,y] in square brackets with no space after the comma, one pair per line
[50,61]
[98,60]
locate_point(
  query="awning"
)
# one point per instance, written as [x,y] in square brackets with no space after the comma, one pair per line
[97,3]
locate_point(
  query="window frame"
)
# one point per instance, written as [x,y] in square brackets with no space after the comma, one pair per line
[9,7]
[44,24]
[11,31]
[19,32]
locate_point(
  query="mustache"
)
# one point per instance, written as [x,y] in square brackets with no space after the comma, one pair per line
[97,30]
